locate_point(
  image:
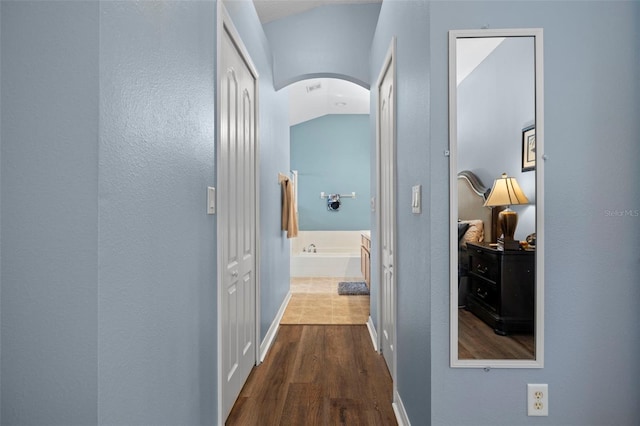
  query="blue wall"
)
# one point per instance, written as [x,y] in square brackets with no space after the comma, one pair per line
[592,104]
[108,278]
[495,102]
[156,276]
[107,270]
[329,41]
[591,147]
[108,144]
[49,181]
[331,154]
[409,22]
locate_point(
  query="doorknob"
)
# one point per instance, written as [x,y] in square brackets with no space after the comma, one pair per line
[234,274]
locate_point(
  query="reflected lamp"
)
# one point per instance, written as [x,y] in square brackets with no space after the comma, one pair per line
[507,192]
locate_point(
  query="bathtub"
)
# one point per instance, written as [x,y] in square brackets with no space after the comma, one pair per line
[337,254]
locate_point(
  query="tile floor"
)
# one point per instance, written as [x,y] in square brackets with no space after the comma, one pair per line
[316,301]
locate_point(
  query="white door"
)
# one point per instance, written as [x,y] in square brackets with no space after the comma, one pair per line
[386,185]
[238,220]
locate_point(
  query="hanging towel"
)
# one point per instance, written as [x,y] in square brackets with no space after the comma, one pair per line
[289,216]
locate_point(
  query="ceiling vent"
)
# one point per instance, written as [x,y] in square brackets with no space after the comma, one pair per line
[314,86]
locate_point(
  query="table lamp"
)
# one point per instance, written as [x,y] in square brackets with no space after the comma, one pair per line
[507,192]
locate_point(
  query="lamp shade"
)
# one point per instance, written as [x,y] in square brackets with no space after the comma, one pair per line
[506,192]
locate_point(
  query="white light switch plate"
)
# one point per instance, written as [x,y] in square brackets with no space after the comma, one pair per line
[211,200]
[416,199]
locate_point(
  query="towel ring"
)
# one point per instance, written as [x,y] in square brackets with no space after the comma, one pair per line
[333,202]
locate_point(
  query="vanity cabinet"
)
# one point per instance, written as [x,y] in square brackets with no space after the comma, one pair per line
[365,258]
[501,287]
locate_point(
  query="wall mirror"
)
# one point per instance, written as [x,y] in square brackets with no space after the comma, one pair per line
[496,201]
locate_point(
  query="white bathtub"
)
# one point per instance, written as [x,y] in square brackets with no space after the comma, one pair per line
[337,254]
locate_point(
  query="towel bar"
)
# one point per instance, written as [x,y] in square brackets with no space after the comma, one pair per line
[325,195]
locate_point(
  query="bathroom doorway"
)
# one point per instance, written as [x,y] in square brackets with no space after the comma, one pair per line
[330,151]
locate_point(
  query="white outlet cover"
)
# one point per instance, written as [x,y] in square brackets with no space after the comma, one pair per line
[537,399]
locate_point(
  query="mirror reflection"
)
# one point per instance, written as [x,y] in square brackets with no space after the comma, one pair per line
[495,189]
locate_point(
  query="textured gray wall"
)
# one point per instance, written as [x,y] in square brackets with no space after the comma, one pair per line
[408,21]
[157,275]
[108,260]
[592,102]
[108,307]
[49,212]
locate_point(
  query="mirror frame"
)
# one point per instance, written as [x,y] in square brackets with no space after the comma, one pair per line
[538,361]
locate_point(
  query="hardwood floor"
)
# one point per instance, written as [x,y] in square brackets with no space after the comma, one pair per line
[476,340]
[318,375]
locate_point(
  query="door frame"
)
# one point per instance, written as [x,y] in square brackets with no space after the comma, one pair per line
[389,61]
[224,23]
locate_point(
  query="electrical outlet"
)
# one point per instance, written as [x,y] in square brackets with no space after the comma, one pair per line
[537,399]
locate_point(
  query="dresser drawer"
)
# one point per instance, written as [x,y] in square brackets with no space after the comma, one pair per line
[484,265]
[485,292]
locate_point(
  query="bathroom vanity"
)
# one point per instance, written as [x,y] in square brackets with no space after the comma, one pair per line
[365,257]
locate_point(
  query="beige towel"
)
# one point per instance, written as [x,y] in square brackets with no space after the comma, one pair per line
[289,216]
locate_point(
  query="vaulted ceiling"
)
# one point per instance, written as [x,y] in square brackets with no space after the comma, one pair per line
[309,99]
[270,10]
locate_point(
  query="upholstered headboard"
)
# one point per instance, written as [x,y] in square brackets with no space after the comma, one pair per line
[471,197]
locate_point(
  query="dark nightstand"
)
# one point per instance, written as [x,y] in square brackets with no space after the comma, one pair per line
[502,287]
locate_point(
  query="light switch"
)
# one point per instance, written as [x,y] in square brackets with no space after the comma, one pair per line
[211,200]
[416,199]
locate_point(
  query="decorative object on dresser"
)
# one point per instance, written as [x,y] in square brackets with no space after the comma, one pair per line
[507,192]
[501,287]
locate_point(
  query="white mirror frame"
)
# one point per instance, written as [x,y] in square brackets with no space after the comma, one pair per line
[537,362]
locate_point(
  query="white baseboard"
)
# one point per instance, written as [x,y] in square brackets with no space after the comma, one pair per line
[398,409]
[273,329]
[372,332]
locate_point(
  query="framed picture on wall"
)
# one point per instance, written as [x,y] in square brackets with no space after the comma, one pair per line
[528,148]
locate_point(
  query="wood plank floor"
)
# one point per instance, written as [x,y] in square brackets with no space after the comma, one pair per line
[476,340]
[318,375]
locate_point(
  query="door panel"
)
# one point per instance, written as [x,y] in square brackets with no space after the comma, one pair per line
[386,149]
[237,194]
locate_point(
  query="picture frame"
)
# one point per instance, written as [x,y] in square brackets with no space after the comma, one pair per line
[528,148]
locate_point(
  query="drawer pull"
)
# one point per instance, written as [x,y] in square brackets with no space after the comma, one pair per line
[482,269]
[481,294]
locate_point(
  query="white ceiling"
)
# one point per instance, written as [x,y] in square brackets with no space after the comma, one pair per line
[270,10]
[309,99]
[470,52]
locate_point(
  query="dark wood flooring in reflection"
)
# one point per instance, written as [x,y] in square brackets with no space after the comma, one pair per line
[318,375]
[476,340]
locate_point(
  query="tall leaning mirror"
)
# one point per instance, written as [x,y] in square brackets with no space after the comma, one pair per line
[496,180]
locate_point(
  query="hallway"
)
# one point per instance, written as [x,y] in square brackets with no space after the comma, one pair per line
[317,375]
